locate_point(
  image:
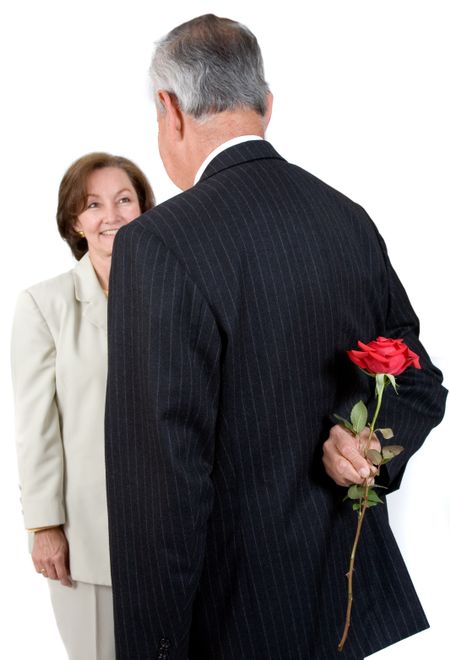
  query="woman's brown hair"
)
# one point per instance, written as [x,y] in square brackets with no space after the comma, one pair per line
[72,195]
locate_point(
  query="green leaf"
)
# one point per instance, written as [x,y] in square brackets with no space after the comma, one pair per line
[372,496]
[374,456]
[391,451]
[358,417]
[343,421]
[393,382]
[386,433]
[357,506]
[379,384]
[355,492]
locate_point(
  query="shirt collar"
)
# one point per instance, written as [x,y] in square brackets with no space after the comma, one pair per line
[219,149]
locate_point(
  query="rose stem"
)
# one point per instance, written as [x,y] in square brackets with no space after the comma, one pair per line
[361,514]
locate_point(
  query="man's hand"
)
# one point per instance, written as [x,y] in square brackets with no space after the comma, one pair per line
[343,456]
[51,555]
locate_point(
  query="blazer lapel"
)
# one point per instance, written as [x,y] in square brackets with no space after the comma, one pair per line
[89,292]
[244,152]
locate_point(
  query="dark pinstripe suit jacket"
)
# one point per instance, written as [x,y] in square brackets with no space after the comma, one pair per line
[231,308]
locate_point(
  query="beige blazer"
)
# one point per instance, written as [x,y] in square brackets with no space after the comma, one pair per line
[59,361]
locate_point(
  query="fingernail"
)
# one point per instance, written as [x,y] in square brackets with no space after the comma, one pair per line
[364,473]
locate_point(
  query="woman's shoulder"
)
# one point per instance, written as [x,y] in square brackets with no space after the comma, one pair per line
[49,294]
[60,284]
[56,283]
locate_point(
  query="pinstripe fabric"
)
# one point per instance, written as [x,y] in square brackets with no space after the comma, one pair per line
[231,307]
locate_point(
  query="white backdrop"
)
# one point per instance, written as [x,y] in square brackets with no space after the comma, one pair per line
[361,100]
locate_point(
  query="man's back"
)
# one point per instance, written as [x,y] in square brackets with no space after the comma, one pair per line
[244,294]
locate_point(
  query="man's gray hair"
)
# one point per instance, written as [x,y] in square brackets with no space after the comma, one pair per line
[210,64]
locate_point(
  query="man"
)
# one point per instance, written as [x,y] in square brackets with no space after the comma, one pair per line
[231,308]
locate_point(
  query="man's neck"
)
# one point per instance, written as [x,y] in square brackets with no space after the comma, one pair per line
[222,147]
[204,137]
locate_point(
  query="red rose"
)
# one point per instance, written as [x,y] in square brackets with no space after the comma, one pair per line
[384,356]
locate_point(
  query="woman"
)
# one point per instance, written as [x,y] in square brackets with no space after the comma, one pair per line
[59,360]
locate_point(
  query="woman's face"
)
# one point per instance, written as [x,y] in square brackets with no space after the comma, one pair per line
[111,203]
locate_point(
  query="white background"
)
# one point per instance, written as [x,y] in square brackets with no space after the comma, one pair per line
[361,100]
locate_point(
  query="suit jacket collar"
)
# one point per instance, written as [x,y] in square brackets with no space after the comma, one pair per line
[89,292]
[238,154]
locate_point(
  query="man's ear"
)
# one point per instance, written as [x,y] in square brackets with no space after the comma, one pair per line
[268,112]
[173,115]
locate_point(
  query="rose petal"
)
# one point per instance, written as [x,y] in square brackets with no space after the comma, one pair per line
[384,355]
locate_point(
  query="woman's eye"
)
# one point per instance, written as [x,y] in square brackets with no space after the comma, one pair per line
[124,200]
[93,205]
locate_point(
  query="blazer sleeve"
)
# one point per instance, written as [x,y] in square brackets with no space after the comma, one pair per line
[420,403]
[38,435]
[162,393]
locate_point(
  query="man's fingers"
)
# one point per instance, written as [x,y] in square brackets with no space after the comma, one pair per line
[357,461]
[375,443]
[340,469]
[343,457]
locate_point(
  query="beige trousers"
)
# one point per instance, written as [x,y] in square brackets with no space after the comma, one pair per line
[84,614]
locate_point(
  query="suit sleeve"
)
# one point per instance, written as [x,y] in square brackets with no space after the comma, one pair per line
[163,380]
[38,436]
[420,403]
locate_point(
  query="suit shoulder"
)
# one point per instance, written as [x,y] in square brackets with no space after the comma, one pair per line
[316,184]
[190,220]
[184,203]
[163,220]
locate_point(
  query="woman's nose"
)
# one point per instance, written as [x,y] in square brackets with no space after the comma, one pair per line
[112,213]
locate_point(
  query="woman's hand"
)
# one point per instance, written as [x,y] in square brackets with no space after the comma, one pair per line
[51,555]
